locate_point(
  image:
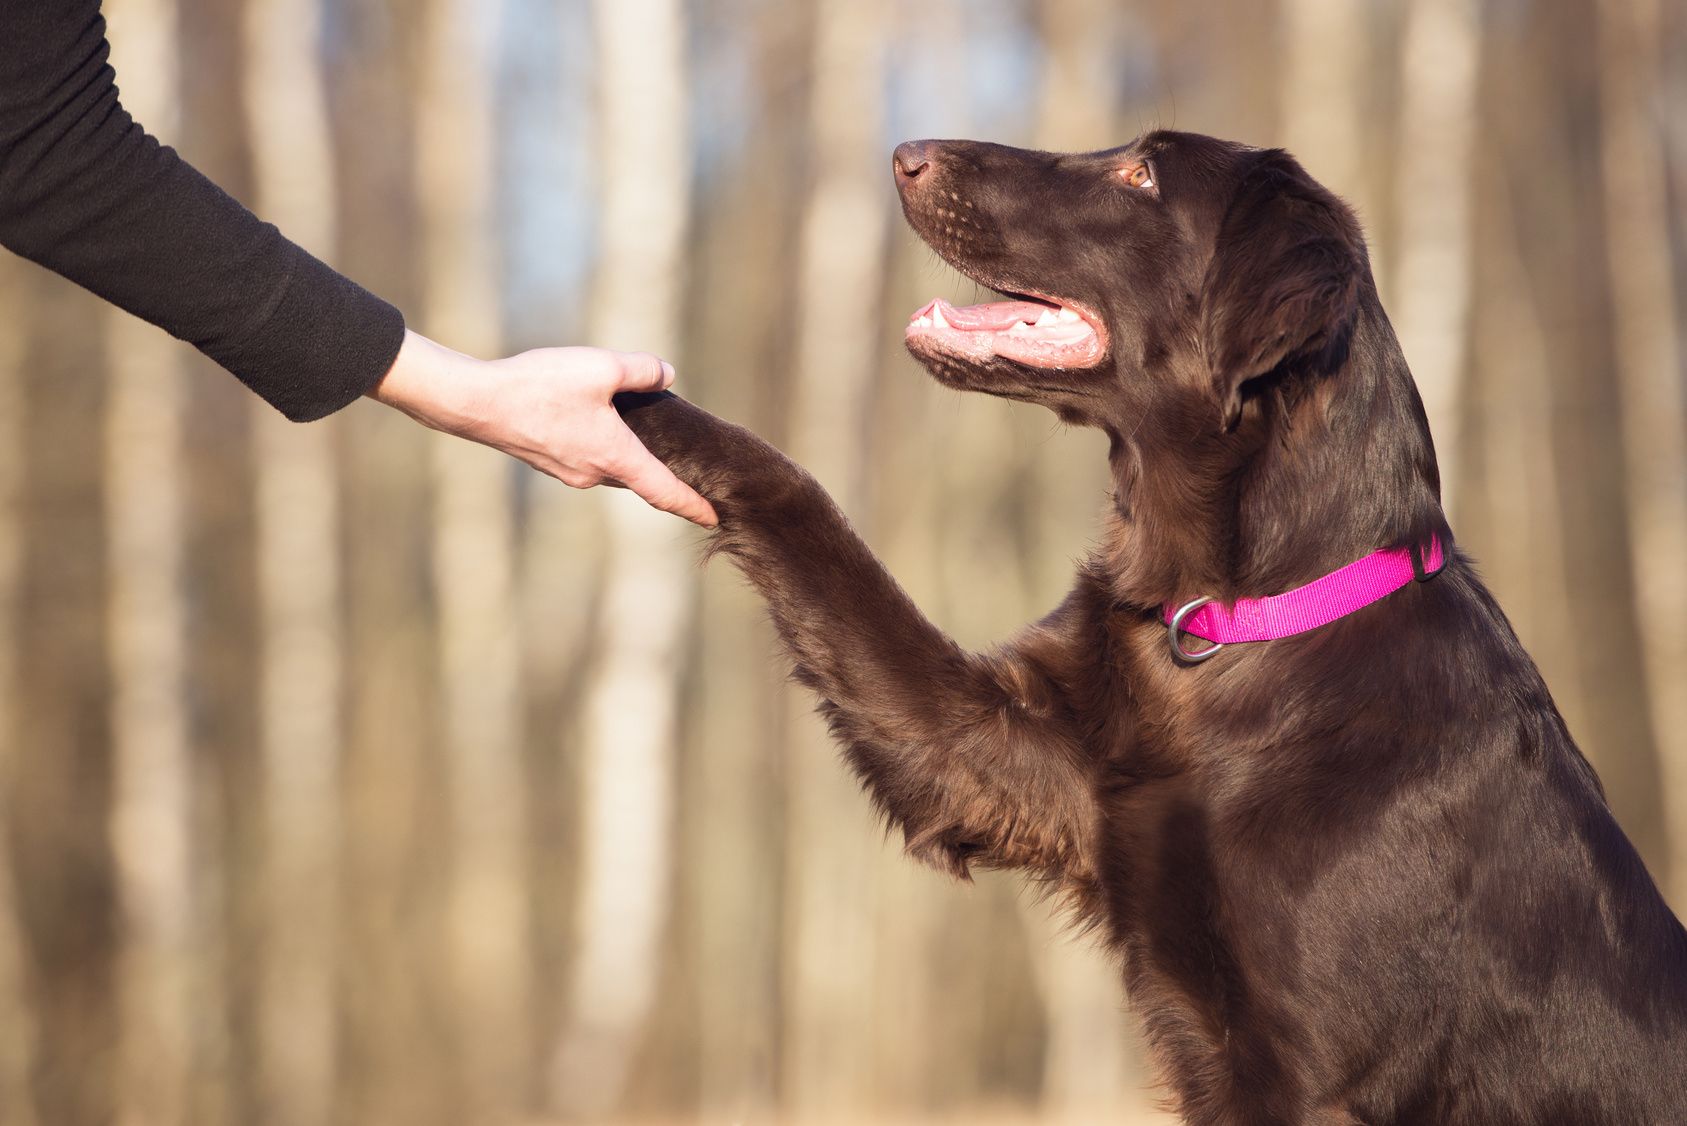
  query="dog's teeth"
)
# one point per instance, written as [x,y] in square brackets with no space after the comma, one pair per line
[1046,318]
[937,318]
[1066,316]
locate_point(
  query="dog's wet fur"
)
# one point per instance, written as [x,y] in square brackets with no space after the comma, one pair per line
[1360,875]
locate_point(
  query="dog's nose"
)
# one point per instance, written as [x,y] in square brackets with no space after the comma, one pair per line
[912,159]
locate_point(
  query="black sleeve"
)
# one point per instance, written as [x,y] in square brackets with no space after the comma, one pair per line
[87,193]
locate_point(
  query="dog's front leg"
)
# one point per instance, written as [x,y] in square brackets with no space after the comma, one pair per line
[977,758]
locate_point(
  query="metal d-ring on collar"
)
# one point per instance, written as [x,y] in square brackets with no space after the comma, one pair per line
[1174,631]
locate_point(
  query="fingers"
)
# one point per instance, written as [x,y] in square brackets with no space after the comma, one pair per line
[639,470]
[580,439]
[641,371]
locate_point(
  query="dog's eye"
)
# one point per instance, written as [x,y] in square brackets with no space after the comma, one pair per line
[1136,174]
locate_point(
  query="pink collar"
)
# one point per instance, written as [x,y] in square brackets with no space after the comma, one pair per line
[1318,603]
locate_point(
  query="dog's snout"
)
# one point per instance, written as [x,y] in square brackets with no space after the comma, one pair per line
[912,160]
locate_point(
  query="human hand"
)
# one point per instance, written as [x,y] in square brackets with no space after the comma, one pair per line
[549,408]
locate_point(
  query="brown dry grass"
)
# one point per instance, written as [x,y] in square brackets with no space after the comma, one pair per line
[976,1116]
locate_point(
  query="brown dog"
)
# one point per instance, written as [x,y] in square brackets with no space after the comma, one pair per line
[1358,875]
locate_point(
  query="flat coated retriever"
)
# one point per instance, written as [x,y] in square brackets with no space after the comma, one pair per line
[1356,875]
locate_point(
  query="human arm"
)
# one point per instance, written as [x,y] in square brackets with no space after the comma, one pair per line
[549,407]
[87,193]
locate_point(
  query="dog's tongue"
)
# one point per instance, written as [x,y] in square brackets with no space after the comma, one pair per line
[1031,332]
[992,316]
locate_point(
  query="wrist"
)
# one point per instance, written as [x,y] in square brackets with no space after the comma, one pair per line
[427,382]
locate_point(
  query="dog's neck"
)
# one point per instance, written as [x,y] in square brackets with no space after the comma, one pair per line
[1330,461]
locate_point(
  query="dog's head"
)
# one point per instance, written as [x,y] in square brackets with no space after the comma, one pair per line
[1211,307]
[1176,260]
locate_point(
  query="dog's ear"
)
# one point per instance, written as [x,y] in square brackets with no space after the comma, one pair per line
[1284,277]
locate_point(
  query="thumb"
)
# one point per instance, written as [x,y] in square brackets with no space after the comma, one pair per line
[639,470]
[643,371]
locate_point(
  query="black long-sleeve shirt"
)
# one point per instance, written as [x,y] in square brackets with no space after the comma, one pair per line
[86,192]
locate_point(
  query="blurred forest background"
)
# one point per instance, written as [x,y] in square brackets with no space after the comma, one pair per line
[354,774]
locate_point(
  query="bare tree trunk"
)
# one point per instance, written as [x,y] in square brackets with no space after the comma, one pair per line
[941,529]
[627,773]
[391,962]
[827,1065]
[740,355]
[1544,66]
[152,814]
[1432,293]
[1653,393]
[1518,533]
[1076,107]
[1326,64]
[1240,91]
[58,789]
[299,590]
[547,105]
[1087,1050]
[948,961]
[473,556]
[17,1020]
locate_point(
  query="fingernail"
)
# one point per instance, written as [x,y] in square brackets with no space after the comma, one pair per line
[667,371]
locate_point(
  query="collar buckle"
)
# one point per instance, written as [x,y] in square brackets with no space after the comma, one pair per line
[1420,556]
[1174,632]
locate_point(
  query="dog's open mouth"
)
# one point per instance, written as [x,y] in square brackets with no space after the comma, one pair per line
[1028,329]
